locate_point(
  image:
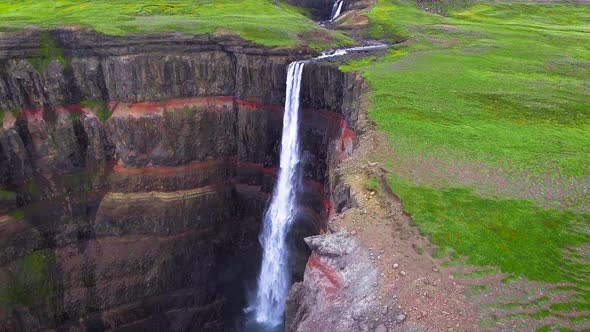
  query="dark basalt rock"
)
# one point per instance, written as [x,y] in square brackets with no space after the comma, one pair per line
[149,220]
[135,68]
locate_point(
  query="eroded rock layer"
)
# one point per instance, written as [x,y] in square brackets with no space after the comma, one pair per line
[339,287]
[135,172]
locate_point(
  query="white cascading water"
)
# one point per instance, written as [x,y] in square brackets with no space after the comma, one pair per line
[274,278]
[336,9]
[344,51]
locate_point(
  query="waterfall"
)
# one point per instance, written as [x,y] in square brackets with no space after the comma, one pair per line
[274,279]
[344,51]
[336,9]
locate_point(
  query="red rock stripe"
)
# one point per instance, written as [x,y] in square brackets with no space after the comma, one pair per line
[315,263]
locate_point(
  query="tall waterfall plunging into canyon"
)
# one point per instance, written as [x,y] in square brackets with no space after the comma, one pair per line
[173,158]
[336,9]
[274,279]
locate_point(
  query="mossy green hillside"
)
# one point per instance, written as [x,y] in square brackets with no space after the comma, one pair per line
[515,235]
[499,84]
[505,84]
[518,237]
[266,22]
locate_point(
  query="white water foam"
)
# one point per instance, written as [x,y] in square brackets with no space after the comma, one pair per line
[274,280]
[344,51]
[336,9]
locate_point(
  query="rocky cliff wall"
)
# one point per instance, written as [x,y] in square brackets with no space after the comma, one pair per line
[136,170]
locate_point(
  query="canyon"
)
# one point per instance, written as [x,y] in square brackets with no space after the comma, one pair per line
[138,169]
[160,161]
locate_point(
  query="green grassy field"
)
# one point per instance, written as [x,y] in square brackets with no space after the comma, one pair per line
[505,86]
[265,22]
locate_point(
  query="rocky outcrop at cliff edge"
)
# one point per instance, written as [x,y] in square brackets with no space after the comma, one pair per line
[339,289]
[138,169]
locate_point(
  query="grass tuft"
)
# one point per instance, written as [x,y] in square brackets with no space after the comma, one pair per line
[48,52]
[99,108]
[30,282]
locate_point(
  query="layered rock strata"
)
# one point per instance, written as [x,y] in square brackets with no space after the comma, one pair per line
[135,171]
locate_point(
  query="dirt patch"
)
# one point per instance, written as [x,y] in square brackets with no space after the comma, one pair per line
[427,294]
[436,293]
[546,190]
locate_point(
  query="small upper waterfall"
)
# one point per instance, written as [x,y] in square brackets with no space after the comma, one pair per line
[274,279]
[336,9]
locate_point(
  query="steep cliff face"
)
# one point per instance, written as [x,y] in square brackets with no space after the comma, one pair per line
[137,170]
